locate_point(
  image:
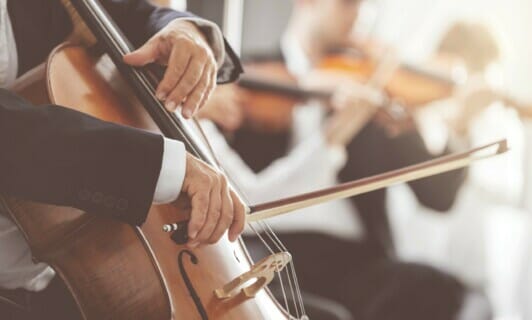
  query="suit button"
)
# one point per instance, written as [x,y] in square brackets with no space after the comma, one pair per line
[84,194]
[122,204]
[97,197]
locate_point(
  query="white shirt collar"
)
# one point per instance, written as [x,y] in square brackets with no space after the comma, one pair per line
[8,48]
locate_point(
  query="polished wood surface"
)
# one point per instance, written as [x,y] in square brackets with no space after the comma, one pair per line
[268,110]
[113,270]
[269,92]
[411,86]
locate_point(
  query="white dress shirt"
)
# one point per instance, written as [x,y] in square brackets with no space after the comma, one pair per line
[311,164]
[17,270]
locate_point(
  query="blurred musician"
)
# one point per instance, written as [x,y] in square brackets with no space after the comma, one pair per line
[343,249]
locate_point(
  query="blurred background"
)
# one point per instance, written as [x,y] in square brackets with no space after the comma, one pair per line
[485,238]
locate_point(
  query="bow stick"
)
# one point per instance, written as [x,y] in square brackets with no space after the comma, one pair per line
[349,189]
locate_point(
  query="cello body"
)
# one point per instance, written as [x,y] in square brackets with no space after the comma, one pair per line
[114,270]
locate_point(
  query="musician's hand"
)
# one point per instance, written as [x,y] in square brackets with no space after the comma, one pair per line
[191,67]
[224,108]
[472,99]
[354,106]
[215,208]
[353,93]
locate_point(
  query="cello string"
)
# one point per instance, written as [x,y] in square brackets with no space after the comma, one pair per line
[280,275]
[277,268]
[123,48]
[266,228]
[289,269]
[268,231]
[294,273]
[286,270]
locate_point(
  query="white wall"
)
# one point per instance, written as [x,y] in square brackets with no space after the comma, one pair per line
[264,21]
[414,26]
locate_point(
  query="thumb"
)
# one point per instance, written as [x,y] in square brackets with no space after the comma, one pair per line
[144,55]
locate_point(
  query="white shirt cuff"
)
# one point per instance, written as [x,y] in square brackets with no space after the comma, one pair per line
[172,172]
[214,37]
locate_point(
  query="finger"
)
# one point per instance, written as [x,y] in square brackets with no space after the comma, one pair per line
[239,218]
[177,65]
[144,55]
[226,214]
[194,99]
[184,87]
[211,85]
[199,202]
[199,95]
[213,215]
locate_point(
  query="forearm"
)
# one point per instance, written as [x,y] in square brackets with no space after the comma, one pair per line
[59,156]
[140,20]
[437,192]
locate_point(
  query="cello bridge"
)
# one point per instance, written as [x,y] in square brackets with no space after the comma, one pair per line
[263,272]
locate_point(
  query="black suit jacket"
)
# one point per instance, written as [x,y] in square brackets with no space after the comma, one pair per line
[372,152]
[55,155]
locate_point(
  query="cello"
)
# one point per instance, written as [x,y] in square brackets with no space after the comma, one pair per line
[117,271]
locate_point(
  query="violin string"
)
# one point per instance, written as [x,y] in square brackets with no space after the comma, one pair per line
[268,231]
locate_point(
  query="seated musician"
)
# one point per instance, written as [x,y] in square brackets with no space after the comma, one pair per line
[343,250]
[58,156]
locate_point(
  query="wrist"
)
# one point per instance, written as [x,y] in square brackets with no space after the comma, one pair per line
[190,29]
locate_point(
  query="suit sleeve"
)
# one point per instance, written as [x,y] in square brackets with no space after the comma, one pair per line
[437,192]
[140,20]
[373,152]
[59,156]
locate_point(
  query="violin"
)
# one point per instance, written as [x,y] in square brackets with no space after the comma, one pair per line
[413,86]
[270,93]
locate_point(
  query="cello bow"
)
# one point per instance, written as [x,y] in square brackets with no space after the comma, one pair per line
[425,169]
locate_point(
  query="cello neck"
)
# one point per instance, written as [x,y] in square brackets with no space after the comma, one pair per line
[143,80]
[80,31]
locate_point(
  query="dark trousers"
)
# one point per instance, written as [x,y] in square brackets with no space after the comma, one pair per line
[53,303]
[370,285]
